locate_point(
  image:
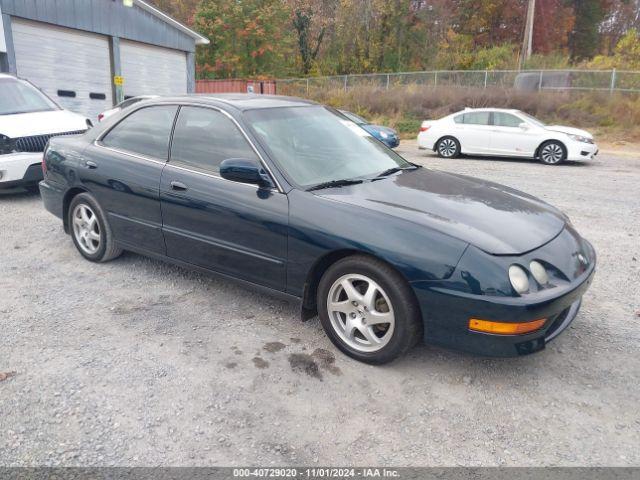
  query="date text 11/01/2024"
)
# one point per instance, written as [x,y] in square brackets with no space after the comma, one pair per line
[317,472]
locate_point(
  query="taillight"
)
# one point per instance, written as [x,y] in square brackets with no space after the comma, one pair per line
[100,116]
[424,129]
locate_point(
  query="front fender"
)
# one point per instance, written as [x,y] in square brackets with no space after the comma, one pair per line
[319,226]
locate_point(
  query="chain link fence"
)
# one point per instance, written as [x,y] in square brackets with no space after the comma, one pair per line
[528,80]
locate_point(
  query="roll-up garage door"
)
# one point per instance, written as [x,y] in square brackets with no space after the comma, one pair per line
[71,66]
[149,70]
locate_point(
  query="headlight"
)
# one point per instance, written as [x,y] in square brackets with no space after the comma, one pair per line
[539,272]
[384,135]
[519,279]
[580,138]
[6,144]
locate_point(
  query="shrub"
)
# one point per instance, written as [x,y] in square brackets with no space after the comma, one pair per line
[404,107]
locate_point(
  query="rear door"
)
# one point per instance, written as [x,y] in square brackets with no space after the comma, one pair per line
[123,171]
[229,227]
[509,138]
[475,132]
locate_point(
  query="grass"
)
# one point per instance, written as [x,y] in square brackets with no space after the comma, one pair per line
[613,117]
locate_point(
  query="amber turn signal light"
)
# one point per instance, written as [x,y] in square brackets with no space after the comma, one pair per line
[503,328]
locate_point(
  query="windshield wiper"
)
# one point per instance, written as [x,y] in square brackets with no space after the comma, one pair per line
[396,169]
[333,183]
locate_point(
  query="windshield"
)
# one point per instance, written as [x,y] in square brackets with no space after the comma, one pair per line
[532,119]
[313,145]
[18,96]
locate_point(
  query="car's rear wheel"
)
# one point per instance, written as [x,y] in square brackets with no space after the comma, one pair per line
[552,153]
[90,230]
[368,310]
[448,147]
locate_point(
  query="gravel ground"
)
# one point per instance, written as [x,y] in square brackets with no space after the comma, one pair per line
[136,362]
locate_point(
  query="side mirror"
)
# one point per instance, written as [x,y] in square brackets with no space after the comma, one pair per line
[524,126]
[244,170]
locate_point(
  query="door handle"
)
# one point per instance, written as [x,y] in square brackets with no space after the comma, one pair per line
[178,186]
[90,164]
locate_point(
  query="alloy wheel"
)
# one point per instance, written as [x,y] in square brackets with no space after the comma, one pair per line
[86,228]
[552,153]
[360,313]
[447,147]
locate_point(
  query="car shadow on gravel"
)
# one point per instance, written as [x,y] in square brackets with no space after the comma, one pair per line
[19,192]
[514,160]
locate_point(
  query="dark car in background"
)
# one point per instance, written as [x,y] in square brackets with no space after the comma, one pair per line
[386,135]
[386,252]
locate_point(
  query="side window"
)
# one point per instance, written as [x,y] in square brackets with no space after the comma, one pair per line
[477,118]
[502,119]
[459,119]
[204,137]
[145,131]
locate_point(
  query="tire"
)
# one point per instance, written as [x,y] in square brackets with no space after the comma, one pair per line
[552,153]
[448,147]
[375,328]
[90,231]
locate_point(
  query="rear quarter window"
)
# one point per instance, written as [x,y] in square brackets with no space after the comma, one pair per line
[145,132]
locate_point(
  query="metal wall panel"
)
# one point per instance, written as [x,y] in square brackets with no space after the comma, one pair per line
[102,16]
[150,70]
[61,59]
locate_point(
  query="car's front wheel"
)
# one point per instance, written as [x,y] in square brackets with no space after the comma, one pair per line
[90,230]
[552,153]
[448,147]
[368,310]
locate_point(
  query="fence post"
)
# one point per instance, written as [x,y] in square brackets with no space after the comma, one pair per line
[486,77]
[387,81]
[307,86]
[540,80]
[345,83]
[435,80]
[613,82]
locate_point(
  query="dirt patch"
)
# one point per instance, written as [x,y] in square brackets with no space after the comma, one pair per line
[273,347]
[6,375]
[260,363]
[231,365]
[327,360]
[301,362]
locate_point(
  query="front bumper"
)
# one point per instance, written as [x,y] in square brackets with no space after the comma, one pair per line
[452,331]
[17,169]
[577,151]
[391,142]
[447,306]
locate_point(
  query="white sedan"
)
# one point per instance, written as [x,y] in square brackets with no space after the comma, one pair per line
[507,133]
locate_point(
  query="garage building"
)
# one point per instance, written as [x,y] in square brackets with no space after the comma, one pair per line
[88,55]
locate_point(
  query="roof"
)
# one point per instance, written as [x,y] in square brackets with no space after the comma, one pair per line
[200,40]
[489,109]
[243,101]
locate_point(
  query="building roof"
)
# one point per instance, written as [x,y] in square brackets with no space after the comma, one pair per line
[200,40]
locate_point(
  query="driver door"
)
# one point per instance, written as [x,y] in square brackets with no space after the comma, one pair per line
[510,138]
[229,227]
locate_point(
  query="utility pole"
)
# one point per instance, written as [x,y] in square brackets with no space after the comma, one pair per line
[527,42]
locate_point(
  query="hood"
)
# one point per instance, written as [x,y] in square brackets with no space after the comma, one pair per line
[569,130]
[492,217]
[41,123]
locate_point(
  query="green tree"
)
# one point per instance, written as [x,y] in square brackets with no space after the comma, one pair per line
[585,37]
[248,38]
